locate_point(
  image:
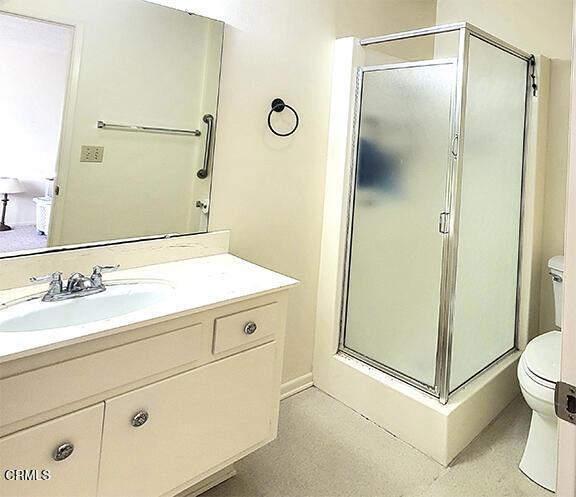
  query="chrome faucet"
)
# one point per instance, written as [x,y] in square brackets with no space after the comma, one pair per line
[55,288]
[77,285]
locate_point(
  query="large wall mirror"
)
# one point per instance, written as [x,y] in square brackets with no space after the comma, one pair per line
[107,127]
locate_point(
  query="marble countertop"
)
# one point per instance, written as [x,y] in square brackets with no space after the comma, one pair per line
[199,284]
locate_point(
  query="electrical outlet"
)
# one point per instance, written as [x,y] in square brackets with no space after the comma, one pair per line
[91,153]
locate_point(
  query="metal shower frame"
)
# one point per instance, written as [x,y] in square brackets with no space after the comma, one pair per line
[441,388]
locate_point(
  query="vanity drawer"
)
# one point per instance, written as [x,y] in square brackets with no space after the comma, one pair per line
[44,389]
[75,474]
[246,329]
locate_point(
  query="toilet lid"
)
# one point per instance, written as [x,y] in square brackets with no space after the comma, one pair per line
[542,356]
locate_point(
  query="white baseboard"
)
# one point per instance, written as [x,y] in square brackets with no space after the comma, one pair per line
[296,385]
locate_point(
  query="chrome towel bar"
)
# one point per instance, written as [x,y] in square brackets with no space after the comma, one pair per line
[148,129]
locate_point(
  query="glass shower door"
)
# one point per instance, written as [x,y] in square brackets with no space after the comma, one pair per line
[395,247]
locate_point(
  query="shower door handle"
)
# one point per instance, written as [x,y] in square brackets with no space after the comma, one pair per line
[444,223]
[454,146]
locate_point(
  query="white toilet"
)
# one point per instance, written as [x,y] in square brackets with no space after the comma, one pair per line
[538,372]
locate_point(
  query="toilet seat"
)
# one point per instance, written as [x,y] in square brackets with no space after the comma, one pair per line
[535,378]
[541,359]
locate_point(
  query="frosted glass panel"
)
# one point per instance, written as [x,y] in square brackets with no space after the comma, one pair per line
[396,248]
[485,304]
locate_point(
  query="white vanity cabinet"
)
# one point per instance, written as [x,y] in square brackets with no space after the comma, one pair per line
[152,411]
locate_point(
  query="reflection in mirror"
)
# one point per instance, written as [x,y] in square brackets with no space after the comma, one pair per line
[108,115]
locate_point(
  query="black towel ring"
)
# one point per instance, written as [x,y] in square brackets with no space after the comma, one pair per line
[278,105]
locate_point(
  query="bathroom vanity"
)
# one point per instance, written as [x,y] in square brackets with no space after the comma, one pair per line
[157,384]
[154,402]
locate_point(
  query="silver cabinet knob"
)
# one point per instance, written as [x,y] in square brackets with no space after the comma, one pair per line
[63,451]
[139,418]
[250,328]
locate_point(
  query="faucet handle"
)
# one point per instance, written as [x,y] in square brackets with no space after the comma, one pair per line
[97,270]
[55,277]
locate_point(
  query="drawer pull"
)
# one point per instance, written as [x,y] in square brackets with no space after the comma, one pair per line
[63,451]
[139,418]
[250,328]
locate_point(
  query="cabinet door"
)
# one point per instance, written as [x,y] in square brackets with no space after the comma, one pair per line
[188,424]
[58,458]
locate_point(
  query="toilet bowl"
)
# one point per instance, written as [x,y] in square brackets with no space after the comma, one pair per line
[538,372]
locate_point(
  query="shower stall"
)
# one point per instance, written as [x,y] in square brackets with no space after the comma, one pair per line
[434,231]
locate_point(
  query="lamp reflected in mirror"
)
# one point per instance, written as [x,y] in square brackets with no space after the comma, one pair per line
[8,186]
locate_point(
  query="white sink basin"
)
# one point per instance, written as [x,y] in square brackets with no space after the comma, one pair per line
[117,300]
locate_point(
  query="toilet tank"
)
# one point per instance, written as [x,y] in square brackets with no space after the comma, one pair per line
[556,266]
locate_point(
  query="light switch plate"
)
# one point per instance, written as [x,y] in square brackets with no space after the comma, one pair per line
[91,153]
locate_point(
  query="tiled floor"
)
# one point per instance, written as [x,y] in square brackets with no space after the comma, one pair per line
[327,450]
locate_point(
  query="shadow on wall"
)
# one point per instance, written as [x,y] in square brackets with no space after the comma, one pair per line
[556,180]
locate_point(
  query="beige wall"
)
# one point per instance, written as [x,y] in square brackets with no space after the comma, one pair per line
[367,18]
[542,27]
[269,190]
